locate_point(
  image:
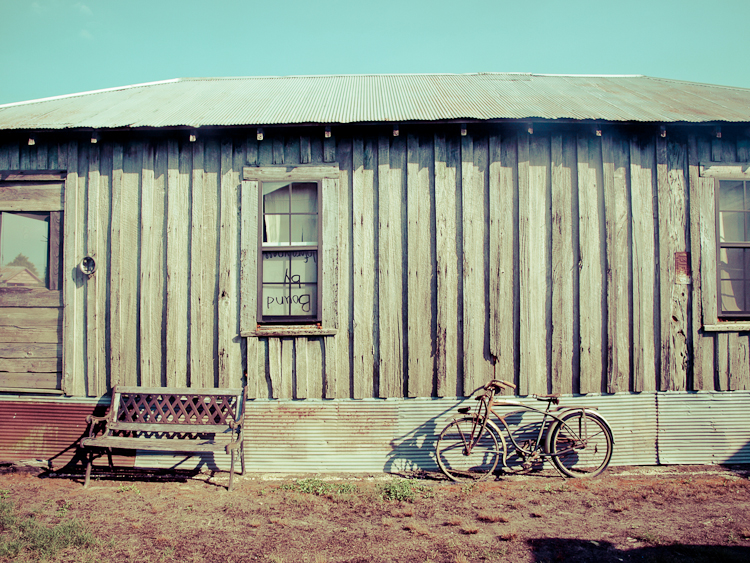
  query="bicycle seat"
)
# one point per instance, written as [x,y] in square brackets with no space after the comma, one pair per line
[553,398]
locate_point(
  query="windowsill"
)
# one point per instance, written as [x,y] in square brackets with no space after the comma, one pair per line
[730,326]
[289,330]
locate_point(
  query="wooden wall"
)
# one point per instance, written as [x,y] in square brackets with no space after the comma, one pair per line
[545,258]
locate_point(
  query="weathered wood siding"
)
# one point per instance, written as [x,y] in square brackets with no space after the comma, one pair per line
[546,258]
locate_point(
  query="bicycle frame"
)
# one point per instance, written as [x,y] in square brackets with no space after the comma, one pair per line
[487,403]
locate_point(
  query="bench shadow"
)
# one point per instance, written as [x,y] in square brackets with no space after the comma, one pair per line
[587,551]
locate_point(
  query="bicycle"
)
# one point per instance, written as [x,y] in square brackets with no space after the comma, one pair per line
[577,439]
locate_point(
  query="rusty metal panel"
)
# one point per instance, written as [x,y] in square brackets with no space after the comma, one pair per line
[704,427]
[196,102]
[318,435]
[37,428]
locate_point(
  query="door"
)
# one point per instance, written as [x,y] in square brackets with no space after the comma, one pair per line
[31,305]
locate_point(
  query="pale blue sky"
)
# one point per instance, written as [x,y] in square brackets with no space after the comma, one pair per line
[53,47]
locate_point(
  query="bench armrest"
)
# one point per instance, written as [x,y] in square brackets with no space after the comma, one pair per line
[93,421]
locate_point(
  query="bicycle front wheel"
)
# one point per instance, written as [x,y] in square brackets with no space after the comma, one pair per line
[465,454]
[581,446]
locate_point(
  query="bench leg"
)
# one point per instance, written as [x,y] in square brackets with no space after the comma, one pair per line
[90,459]
[231,471]
[242,458]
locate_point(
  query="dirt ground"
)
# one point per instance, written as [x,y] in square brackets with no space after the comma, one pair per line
[627,514]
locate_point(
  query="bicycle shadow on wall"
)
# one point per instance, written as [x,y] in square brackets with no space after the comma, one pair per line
[413,453]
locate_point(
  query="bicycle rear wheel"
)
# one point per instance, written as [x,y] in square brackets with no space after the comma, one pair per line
[465,454]
[581,446]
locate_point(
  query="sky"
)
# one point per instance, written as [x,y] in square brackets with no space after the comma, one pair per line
[56,47]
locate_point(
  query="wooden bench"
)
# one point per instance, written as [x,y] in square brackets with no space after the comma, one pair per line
[170,420]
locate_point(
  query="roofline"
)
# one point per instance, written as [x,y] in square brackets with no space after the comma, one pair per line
[116,88]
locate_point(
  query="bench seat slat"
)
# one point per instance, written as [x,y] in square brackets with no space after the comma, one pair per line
[168,427]
[179,445]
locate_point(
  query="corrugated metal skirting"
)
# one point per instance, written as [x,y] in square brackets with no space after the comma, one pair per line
[375,435]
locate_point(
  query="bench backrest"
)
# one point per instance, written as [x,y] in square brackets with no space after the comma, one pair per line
[178,409]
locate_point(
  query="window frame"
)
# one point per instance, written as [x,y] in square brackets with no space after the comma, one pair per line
[333,180]
[745,313]
[291,248]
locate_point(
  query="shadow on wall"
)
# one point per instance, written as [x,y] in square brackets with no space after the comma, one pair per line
[415,450]
[586,551]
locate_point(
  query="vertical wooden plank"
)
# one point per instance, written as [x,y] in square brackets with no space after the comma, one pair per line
[41,157]
[150,370]
[210,252]
[363,252]
[616,166]
[340,385]
[329,149]
[93,336]
[591,261]
[73,376]
[251,158]
[103,266]
[178,210]
[446,345]
[316,150]
[4,156]
[703,344]
[249,284]
[474,158]
[419,273]
[278,149]
[14,156]
[287,369]
[129,282]
[238,350]
[25,156]
[563,182]
[305,155]
[315,375]
[673,238]
[709,262]
[330,306]
[227,261]
[116,265]
[391,257]
[645,264]
[197,272]
[533,158]
[275,368]
[504,247]
[291,150]
[300,368]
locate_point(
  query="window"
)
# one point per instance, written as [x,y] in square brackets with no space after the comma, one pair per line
[733,236]
[289,265]
[29,250]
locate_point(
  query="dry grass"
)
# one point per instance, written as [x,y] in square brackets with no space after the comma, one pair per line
[510,535]
[460,558]
[418,528]
[469,529]
[486,516]
[454,521]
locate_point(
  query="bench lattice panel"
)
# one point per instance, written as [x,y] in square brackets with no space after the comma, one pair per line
[177,409]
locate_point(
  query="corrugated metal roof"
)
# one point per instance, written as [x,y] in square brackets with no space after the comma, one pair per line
[198,102]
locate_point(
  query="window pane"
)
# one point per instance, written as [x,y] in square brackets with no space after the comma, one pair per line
[305,266]
[732,226]
[305,198]
[275,266]
[305,229]
[276,230]
[304,300]
[732,296]
[24,249]
[731,263]
[731,196]
[275,300]
[275,197]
